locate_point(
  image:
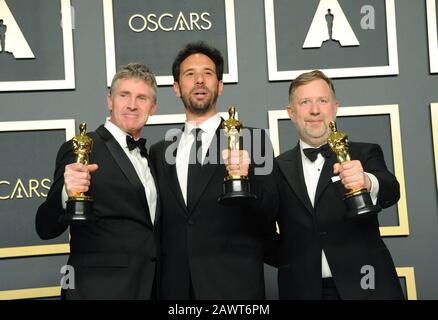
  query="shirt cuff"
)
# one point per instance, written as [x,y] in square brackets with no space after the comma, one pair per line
[374,192]
[64,197]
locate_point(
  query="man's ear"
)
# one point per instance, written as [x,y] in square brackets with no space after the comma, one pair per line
[290,112]
[153,109]
[176,89]
[336,107]
[220,87]
[109,103]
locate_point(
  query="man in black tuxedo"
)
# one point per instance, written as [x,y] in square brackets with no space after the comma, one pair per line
[322,254]
[114,257]
[209,250]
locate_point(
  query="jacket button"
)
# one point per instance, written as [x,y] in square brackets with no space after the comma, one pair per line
[190,222]
[322,233]
[153,259]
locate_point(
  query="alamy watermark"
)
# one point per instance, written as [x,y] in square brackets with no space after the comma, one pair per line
[68,277]
[368,281]
[255,141]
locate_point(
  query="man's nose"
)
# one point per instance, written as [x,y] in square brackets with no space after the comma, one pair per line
[314,108]
[132,104]
[199,78]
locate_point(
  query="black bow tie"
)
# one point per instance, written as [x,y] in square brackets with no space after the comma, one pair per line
[140,143]
[312,153]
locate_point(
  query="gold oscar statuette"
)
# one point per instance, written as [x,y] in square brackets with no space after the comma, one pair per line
[357,201]
[235,188]
[79,205]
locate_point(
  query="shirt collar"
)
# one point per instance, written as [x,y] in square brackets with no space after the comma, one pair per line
[117,133]
[304,145]
[209,126]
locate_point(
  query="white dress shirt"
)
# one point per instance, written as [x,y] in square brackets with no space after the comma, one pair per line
[208,128]
[140,165]
[312,172]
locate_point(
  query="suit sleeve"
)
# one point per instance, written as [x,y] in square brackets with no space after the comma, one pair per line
[46,221]
[389,188]
[153,154]
[264,186]
[261,175]
[272,239]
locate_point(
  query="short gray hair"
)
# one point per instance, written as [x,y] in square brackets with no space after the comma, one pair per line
[136,70]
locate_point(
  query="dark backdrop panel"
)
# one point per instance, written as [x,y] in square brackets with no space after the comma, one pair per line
[44,37]
[158,48]
[20,273]
[27,162]
[293,20]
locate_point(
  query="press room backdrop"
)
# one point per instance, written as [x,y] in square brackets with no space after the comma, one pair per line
[60,56]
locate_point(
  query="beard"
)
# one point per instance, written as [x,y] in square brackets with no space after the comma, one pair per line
[199,107]
[312,135]
[317,133]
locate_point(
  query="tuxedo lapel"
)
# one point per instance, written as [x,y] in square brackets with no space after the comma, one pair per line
[126,166]
[292,169]
[325,177]
[214,154]
[207,173]
[171,174]
[158,206]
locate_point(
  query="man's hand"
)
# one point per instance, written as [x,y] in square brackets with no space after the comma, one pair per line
[77,178]
[237,162]
[352,175]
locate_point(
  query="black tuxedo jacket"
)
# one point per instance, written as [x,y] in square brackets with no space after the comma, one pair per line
[349,244]
[116,256]
[218,249]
